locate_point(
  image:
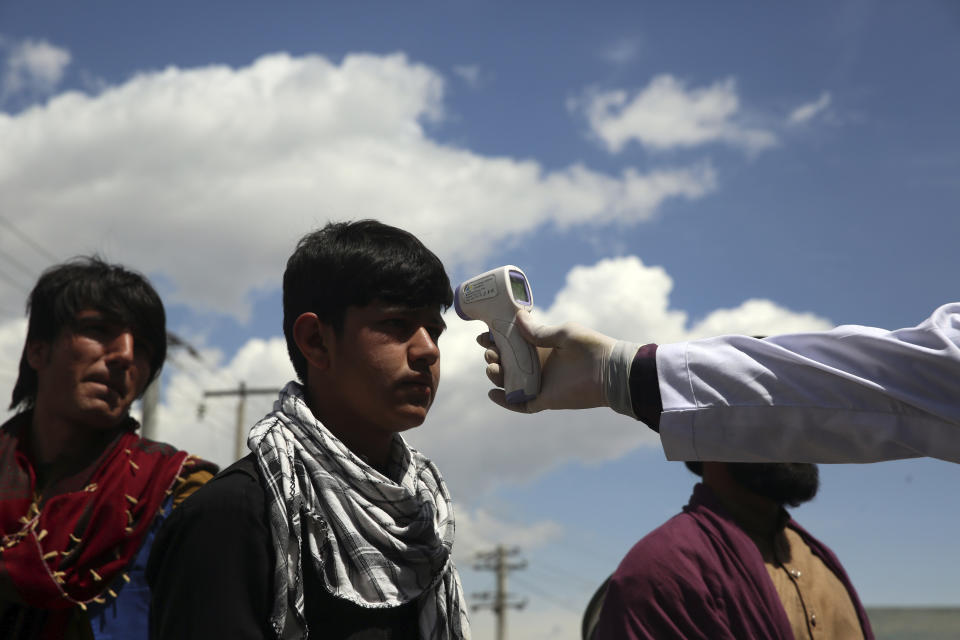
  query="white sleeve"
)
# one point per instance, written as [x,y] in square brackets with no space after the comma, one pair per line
[853,394]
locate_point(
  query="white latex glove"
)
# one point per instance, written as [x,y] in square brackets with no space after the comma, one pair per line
[580,368]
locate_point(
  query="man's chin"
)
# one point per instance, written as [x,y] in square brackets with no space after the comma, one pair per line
[104,414]
[411,417]
[786,483]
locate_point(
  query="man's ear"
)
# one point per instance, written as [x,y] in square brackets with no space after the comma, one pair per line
[314,339]
[37,353]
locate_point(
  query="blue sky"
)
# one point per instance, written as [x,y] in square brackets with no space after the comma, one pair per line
[660,172]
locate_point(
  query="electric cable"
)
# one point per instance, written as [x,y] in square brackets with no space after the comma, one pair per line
[224,375]
[540,592]
[27,271]
[554,573]
[218,426]
[13,283]
[30,241]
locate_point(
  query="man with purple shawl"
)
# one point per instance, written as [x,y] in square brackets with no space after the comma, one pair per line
[734,565]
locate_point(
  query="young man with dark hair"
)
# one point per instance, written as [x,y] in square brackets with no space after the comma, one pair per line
[81,494]
[332,525]
[734,565]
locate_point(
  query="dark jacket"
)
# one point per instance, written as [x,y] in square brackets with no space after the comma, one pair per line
[211,572]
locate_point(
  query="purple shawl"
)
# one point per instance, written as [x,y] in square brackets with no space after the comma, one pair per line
[700,576]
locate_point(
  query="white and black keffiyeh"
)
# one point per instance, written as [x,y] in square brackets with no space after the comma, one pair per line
[374,541]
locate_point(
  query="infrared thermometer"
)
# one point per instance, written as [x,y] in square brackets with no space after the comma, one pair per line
[496,297]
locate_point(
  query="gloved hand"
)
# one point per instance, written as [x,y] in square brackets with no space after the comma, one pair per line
[580,368]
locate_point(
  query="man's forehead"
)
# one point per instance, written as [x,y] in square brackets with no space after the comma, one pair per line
[94,314]
[429,311]
[101,315]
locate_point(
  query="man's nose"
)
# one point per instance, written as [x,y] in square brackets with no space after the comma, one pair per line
[424,347]
[120,350]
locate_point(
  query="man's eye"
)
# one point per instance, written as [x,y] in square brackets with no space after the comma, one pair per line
[396,324]
[93,329]
[142,348]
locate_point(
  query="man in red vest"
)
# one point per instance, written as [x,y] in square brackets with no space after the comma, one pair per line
[81,494]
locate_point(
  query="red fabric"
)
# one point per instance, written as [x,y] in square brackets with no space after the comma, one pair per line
[109,517]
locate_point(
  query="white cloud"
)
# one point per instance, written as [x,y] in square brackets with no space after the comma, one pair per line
[757,318]
[806,112]
[479,530]
[33,66]
[666,114]
[620,297]
[206,177]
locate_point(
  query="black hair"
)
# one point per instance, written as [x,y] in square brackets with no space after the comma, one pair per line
[786,483]
[348,264]
[695,466]
[88,282]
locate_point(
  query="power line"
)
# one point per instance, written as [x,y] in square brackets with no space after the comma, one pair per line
[556,572]
[190,372]
[563,541]
[224,375]
[13,283]
[543,594]
[219,426]
[242,391]
[23,268]
[151,397]
[198,400]
[30,241]
[193,372]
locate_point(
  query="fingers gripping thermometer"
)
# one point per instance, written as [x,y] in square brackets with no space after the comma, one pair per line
[496,297]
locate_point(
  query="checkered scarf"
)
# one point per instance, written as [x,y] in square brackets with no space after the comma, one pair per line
[373,541]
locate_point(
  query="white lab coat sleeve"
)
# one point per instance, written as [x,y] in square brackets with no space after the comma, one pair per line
[853,394]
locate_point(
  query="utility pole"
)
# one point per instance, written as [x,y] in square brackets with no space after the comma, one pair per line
[150,398]
[500,600]
[241,392]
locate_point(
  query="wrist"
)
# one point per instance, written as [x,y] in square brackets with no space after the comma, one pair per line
[617,378]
